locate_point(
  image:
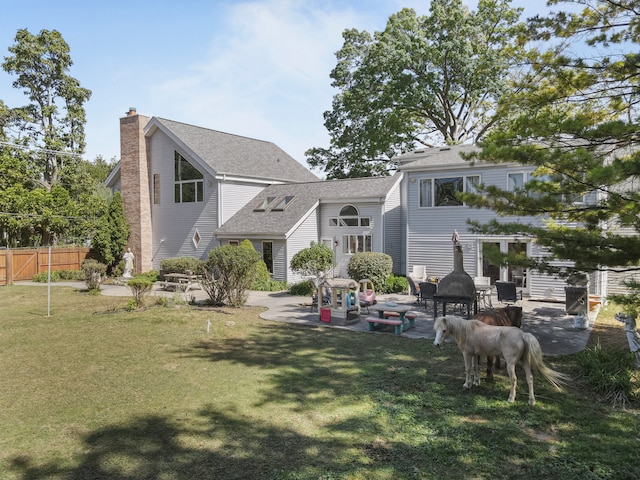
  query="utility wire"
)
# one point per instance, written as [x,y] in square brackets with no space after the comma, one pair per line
[43,150]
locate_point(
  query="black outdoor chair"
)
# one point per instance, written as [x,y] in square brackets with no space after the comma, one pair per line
[427,291]
[507,292]
[414,289]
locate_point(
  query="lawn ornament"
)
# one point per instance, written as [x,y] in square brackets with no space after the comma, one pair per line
[474,338]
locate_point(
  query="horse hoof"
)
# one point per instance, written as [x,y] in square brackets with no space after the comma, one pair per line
[532,403]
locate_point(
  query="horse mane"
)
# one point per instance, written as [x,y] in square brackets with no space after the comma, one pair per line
[460,328]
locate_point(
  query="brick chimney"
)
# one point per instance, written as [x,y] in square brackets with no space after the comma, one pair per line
[134,180]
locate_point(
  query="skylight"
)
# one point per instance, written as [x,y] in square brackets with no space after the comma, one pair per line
[281,205]
[264,205]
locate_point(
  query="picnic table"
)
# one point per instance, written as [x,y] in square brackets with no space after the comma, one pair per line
[398,316]
[180,281]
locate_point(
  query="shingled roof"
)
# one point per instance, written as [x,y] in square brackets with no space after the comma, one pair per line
[229,154]
[251,220]
[437,157]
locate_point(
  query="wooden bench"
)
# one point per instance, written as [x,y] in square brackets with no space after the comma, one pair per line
[375,323]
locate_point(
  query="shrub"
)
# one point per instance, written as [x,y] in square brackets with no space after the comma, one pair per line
[140,286]
[609,371]
[57,275]
[302,289]
[262,277]
[314,261]
[152,275]
[44,277]
[94,273]
[375,266]
[395,284]
[181,265]
[230,270]
[71,274]
[269,285]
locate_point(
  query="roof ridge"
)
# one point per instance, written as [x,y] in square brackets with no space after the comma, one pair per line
[213,130]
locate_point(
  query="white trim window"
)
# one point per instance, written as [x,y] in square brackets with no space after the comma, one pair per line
[356,243]
[349,217]
[189,181]
[517,180]
[442,192]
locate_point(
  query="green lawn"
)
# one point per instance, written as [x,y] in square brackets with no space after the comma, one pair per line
[98,392]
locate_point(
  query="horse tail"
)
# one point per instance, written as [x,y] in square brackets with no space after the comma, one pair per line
[533,354]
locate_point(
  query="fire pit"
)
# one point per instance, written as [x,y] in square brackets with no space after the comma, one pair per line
[457,287]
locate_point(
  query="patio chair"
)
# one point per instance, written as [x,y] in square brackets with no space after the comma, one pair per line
[414,289]
[507,292]
[427,291]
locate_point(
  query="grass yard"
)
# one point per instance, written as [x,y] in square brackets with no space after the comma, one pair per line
[98,392]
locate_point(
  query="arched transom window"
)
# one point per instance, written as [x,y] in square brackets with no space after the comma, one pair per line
[349,217]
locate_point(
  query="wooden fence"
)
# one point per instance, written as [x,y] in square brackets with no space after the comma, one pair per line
[23,263]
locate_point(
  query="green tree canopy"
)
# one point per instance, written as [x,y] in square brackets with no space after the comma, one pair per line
[422,81]
[53,122]
[49,193]
[573,119]
[110,239]
[314,261]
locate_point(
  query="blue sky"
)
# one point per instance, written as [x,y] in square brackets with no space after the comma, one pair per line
[258,68]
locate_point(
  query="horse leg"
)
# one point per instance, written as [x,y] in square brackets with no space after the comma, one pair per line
[476,369]
[497,361]
[529,375]
[513,380]
[468,360]
[490,368]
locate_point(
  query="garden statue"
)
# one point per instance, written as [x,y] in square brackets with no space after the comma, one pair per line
[128,258]
[633,337]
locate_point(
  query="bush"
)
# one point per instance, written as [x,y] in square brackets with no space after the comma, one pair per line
[609,371]
[372,265]
[269,285]
[58,275]
[140,286]
[151,275]
[303,289]
[181,265]
[229,272]
[314,261]
[94,273]
[44,277]
[395,284]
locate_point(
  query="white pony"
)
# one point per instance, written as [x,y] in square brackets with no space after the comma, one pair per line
[475,338]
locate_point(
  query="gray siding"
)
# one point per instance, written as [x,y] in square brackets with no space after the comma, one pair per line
[300,239]
[394,230]
[375,229]
[429,230]
[234,196]
[175,224]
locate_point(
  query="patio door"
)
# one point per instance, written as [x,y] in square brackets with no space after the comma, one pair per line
[492,269]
